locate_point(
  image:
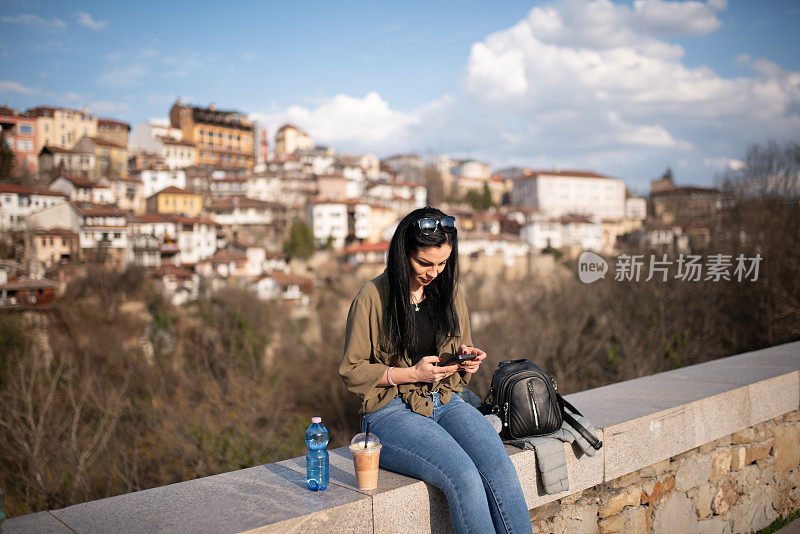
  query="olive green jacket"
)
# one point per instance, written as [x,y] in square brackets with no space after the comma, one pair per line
[366,356]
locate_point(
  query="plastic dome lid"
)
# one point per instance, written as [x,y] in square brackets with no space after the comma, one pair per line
[316,419]
[372,441]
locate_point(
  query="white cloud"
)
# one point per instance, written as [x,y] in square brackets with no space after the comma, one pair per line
[15,87]
[124,75]
[348,123]
[31,19]
[581,83]
[85,19]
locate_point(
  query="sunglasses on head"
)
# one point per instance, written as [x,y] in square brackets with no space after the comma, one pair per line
[427,226]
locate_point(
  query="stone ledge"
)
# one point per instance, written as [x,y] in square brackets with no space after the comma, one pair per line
[642,422]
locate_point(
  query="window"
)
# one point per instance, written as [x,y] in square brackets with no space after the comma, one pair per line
[25,145]
[25,129]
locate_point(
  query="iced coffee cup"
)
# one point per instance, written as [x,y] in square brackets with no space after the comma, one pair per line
[366,453]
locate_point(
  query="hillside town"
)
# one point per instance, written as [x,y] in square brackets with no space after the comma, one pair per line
[205,198]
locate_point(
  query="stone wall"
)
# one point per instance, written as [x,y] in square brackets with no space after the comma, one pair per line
[709,448]
[739,483]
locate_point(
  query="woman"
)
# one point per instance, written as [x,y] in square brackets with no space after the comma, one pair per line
[404,331]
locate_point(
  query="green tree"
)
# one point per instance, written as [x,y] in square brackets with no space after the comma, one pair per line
[7,158]
[480,201]
[300,242]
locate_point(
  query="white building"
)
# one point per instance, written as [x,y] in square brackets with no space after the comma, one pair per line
[562,232]
[177,154]
[17,203]
[289,139]
[197,239]
[75,188]
[71,161]
[145,136]
[155,180]
[337,222]
[558,193]
[241,210]
[414,195]
[509,248]
[636,208]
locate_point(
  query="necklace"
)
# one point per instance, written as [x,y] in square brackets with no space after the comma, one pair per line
[415,303]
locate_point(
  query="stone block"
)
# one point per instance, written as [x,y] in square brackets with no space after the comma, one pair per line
[34,524]
[752,513]
[614,503]
[267,498]
[635,520]
[720,465]
[738,457]
[580,519]
[397,500]
[725,497]
[792,416]
[657,469]
[724,441]
[702,500]
[692,472]
[626,480]
[786,449]
[660,489]
[545,511]
[610,525]
[674,515]
[758,451]
[711,526]
[569,499]
[707,448]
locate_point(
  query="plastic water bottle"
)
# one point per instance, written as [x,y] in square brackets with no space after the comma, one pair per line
[317,456]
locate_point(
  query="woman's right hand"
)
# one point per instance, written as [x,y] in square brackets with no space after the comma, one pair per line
[426,370]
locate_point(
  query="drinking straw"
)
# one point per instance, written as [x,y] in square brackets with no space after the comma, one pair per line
[366,438]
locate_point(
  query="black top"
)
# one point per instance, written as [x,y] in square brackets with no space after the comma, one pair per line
[426,332]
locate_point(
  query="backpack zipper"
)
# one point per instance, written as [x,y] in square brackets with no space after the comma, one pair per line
[533,405]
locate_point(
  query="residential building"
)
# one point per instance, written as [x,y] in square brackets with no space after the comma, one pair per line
[179,285]
[408,167]
[409,195]
[75,188]
[494,254]
[222,138]
[113,130]
[111,158]
[140,160]
[366,254]
[56,160]
[54,245]
[260,143]
[128,194]
[332,187]
[17,203]
[146,135]
[197,238]
[62,127]
[146,250]
[636,208]
[225,263]
[238,211]
[561,192]
[177,154]
[102,192]
[175,200]
[290,288]
[339,223]
[686,205]
[155,180]
[26,293]
[103,234]
[234,185]
[19,132]
[579,232]
[290,139]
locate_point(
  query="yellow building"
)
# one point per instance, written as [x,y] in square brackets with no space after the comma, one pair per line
[61,127]
[113,130]
[111,159]
[175,200]
[221,138]
[289,139]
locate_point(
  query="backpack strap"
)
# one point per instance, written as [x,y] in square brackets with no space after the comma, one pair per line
[593,441]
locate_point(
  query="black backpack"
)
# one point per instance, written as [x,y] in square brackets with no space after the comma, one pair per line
[527,402]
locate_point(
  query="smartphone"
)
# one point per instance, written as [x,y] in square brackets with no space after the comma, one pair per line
[465,357]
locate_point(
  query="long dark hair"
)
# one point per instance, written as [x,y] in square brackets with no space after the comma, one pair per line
[399,321]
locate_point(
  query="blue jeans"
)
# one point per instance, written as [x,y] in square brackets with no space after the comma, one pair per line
[458,451]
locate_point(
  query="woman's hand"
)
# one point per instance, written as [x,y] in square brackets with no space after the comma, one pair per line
[426,370]
[471,366]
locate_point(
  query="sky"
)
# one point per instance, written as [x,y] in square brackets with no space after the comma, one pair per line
[624,88]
